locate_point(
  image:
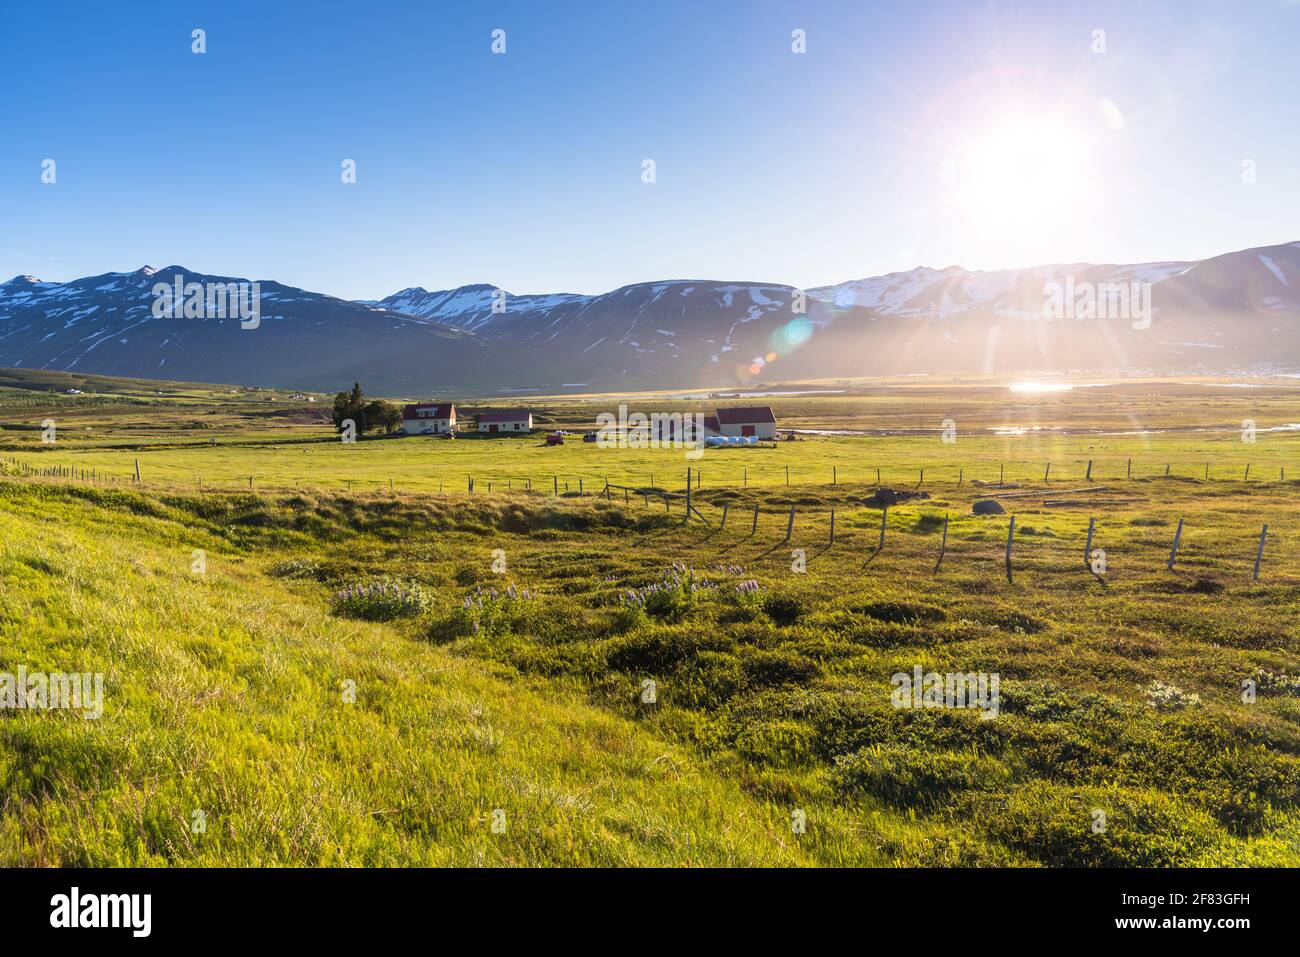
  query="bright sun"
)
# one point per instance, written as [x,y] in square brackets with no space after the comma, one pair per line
[1022,170]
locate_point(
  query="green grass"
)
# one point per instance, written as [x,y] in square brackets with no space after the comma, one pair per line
[224,690]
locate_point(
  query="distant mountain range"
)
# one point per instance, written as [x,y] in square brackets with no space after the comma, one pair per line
[1233,313]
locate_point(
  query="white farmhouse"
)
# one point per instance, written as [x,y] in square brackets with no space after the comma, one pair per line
[428,418]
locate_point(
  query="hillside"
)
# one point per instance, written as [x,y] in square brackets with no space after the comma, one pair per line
[1232,313]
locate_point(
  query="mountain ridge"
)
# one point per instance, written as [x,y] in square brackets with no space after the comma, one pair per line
[1231,312]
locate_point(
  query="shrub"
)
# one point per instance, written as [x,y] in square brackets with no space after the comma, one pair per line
[913,777]
[488,613]
[671,597]
[382,600]
[902,612]
[779,743]
[1279,684]
[783,609]
[1096,826]
[1166,697]
[659,651]
[296,568]
[670,604]
[782,666]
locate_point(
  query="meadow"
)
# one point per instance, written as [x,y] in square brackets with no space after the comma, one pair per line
[362,669]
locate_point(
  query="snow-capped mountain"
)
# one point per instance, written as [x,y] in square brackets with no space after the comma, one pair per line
[107,324]
[1239,311]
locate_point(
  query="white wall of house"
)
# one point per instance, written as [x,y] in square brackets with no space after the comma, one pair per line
[417,426]
[514,425]
[763,430]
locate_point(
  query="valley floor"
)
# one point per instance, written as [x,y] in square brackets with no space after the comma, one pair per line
[342,664]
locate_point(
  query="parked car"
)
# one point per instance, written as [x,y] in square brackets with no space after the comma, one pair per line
[589,437]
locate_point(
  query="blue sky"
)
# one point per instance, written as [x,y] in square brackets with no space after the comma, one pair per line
[988,135]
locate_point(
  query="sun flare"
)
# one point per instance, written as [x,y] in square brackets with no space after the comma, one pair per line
[1023,169]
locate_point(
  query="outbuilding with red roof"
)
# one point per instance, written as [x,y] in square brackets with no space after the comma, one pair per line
[755,420]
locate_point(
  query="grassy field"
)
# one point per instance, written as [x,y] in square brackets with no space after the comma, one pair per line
[392,675]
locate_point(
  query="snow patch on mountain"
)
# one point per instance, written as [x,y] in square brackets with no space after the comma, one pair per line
[1274,269]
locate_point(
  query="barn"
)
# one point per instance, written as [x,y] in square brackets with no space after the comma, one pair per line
[428,418]
[511,421]
[756,420]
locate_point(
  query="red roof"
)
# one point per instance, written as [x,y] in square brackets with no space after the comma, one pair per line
[746,415]
[498,417]
[440,410]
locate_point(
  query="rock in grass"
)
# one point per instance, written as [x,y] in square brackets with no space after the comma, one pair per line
[987,507]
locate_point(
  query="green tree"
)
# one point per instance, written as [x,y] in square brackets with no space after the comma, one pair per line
[350,405]
[382,415]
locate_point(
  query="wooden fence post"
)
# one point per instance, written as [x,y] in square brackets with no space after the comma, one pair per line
[961,474]
[943,543]
[137,470]
[1246,478]
[753,529]
[723,524]
[1046,472]
[1129,471]
[1173,552]
[787,475]
[1259,554]
[834,477]
[1088,477]
[1011,535]
[789,526]
[1002,471]
[831,540]
[555,485]
[1087,548]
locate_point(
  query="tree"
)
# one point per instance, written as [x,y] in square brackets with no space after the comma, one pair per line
[382,415]
[350,405]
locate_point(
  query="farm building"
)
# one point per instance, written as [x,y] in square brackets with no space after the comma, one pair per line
[756,420]
[428,418]
[515,420]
